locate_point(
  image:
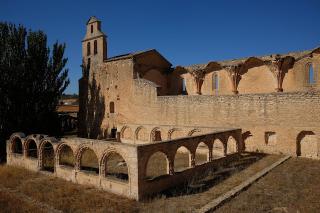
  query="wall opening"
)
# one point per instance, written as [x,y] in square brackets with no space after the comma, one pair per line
[113,133]
[231,145]
[111,106]
[184,86]
[215,83]
[66,156]
[95,47]
[91,28]
[310,74]
[307,144]
[202,154]
[116,167]
[157,166]
[218,149]
[156,135]
[88,49]
[89,161]
[32,150]
[182,159]
[17,146]
[48,157]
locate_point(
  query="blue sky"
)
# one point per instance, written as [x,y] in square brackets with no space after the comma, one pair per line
[184,31]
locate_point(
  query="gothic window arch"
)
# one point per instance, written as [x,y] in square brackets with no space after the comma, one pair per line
[215,82]
[310,74]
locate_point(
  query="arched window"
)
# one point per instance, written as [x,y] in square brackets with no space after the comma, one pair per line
[88,49]
[310,77]
[111,107]
[95,47]
[91,28]
[184,86]
[215,82]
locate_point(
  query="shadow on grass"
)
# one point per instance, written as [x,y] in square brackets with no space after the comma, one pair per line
[202,182]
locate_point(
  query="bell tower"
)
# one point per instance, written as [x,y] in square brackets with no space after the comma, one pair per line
[94,45]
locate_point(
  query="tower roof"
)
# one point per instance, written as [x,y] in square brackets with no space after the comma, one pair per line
[92,19]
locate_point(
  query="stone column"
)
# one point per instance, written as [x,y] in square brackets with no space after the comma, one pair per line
[198,76]
[279,66]
[234,72]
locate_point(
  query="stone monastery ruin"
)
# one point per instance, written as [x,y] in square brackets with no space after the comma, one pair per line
[137,105]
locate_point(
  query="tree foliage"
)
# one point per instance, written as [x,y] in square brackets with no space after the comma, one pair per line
[32,80]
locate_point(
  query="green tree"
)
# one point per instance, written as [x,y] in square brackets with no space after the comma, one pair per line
[32,80]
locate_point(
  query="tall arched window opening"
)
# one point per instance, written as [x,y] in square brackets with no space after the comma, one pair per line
[91,28]
[95,47]
[88,49]
[184,86]
[311,76]
[215,83]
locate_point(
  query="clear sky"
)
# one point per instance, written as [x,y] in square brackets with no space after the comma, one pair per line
[184,31]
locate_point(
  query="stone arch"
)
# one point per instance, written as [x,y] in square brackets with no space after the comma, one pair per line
[46,155]
[126,133]
[182,159]
[307,144]
[257,80]
[155,134]
[232,145]
[310,75]
[17,145]
[218,148]
[31,148]
[157,165]
[141,134]
[114,165]
[202,153]
[194,132]
[87,160]
[175,133]
[65,155]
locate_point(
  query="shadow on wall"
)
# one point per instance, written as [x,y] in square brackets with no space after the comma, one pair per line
[93,109]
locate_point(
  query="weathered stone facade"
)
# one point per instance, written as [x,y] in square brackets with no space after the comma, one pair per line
[142,98]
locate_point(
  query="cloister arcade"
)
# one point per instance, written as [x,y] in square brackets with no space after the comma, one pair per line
[121,168]
[138,170]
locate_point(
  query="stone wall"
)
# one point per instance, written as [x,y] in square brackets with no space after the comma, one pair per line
[135,158]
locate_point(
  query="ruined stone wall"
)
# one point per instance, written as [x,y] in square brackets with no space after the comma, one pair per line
[257,80]
[285,114]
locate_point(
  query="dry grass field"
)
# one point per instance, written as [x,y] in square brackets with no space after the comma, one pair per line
[56,193]
[291,187]
[41,190]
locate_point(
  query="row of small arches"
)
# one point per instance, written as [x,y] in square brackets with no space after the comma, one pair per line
[156,134]
[112,165]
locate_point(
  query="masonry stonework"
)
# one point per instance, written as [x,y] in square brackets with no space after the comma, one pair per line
[274,97]
[137,105]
